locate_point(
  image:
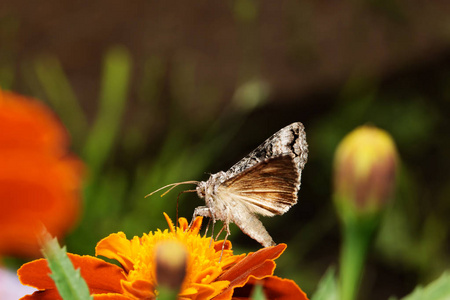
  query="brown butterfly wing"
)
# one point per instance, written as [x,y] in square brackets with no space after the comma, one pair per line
[267,188]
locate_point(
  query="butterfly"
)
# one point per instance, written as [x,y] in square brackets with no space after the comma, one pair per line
[265,183]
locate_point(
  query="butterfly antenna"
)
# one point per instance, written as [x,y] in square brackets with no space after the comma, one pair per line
[172,185]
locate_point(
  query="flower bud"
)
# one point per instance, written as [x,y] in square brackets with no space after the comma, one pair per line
[364,171]
[171,257]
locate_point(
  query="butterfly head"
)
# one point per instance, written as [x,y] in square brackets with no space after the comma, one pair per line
[208,189]
[201,189]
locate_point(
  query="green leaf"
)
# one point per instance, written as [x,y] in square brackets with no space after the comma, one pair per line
[61,96]
[437,290]
[68,281]
[115,81]
[258,293]
[327,288]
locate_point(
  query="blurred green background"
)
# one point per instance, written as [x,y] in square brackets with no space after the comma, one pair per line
[155,92]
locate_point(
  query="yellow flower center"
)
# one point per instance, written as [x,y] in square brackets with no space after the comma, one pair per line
[201,256]
[202,266]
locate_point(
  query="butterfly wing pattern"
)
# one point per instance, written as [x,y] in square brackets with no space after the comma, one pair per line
[290,140]
[265,182]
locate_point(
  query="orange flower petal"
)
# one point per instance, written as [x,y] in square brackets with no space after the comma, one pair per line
[279,288]
[206,278]
[117,246]
[256,265]
[250,265]
[196,226]
[204,291]
[188,292]
[31,274]
[110,297]
[219,286]
[101,277]
[274,288]
[170,223]
[36,189]
[39,181]
[219,244]
[43,295]
[183,224]
[29,124]
[207,275]
[138,289]
[227,262]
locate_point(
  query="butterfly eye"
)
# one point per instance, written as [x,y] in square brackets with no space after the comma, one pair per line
[201,190]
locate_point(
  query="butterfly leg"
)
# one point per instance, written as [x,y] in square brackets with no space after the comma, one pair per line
[201,211]
[207,227]
[226,226]
[205,211]
[223,227]
[212,232]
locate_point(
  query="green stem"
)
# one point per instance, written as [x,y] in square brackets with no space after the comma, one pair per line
[353,254]
[165,293]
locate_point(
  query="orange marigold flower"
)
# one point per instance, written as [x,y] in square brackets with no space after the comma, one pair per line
[206,277]
[39,181]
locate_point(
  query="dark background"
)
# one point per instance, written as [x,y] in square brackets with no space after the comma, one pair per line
[210,80]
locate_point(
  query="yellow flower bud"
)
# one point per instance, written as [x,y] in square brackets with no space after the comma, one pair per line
[364,171]
[171,257]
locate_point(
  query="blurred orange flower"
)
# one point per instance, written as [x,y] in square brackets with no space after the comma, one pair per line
[206,278]
[39,180]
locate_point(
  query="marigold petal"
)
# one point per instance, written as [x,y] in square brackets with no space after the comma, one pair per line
[207,275]
[28,124]
[140,289]
[183,224]
[39,180]
[273,287]
[53,294]
[117,246]
[110,297]
[252,262]
[256,265]
[231,260]
[100,276]
[188,292]
[219,286]
[219,245]
[279,288]
[204,291]
[34,274]
[36,189]
[43,295]
[241,280]
[170,223]
[196,226]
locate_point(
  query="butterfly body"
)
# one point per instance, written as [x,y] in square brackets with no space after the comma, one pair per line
[265,182]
